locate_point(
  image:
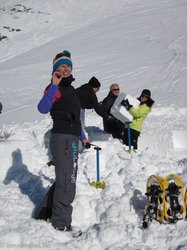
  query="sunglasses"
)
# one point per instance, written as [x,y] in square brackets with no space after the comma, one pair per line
[115,89]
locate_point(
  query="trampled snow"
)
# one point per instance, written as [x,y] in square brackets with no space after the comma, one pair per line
[138,44]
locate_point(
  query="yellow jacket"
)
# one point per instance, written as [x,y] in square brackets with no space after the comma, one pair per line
[139,116]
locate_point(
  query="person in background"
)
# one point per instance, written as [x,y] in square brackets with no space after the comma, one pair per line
[88,99]
[139,116]
[61,100]
[1,107]
[112,126]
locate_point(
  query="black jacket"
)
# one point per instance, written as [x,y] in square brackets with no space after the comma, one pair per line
[65,110]
[113,126]
[1,107]
[108,102]
[88,99]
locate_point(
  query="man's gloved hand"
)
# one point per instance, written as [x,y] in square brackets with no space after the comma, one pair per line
[110,118]
[126,104]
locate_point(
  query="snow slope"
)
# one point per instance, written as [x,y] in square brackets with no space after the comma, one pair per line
[139,44]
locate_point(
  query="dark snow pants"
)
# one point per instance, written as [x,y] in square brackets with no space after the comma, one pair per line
[64,149]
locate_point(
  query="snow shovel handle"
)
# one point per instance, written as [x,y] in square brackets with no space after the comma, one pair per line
[97,162]
[88,145]
[95,146]
[129,136]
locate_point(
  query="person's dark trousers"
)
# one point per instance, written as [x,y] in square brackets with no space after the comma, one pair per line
[134,137]
[64,148]
[113,127]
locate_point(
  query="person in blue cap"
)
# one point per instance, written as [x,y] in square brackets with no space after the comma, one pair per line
[61,100]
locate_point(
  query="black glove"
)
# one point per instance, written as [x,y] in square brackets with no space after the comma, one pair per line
[110,118]
[126,104]
[87,145]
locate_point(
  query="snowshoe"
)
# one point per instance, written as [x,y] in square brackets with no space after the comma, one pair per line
[185,201]
[155,200]
[174,198]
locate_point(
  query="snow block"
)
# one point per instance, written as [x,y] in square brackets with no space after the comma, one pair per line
[119,111]
[179,140]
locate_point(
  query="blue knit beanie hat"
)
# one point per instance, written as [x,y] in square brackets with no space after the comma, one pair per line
[62,58]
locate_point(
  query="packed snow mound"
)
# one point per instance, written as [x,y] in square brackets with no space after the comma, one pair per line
[111,218]
[179,139]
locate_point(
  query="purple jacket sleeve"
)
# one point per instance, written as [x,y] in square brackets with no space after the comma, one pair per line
[82,137]
[45,104]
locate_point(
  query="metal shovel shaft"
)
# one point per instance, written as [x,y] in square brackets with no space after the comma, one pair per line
[129,136]
[98,170]
[97,163]
[98,183]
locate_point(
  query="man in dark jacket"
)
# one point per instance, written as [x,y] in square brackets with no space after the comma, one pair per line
[88,99]
[112,126]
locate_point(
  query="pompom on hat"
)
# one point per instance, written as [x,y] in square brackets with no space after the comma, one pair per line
[94,82]
[62,58]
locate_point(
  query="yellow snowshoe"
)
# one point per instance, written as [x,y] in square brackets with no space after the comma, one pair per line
[185,200]
[155,206]
[174,198]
